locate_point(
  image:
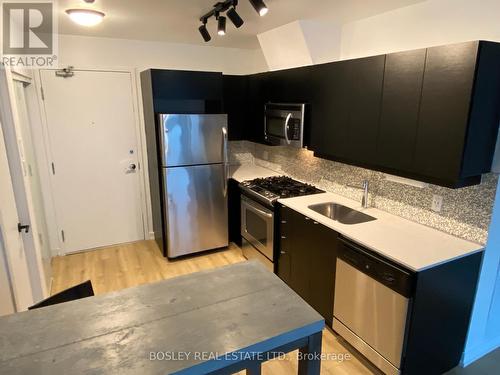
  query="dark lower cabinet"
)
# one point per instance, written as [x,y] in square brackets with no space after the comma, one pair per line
[306,260]
[234,211]
[441,297]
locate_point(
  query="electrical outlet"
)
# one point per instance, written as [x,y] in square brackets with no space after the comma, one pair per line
[437,203]
[265,155]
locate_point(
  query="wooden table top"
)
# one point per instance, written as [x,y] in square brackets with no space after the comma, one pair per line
[238,308]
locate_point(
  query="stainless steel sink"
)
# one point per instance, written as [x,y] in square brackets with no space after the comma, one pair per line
[341,213]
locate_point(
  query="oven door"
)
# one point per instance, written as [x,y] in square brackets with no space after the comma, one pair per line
[257,226]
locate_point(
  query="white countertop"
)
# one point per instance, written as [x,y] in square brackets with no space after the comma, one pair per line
[249,172]
[412,245]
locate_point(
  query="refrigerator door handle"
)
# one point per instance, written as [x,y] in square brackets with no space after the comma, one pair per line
[225,159]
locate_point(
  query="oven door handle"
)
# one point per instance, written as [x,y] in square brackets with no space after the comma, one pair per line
[286,127]
[257,210]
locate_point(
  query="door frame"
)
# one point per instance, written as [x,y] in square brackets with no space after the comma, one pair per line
[19,181]
[140,141]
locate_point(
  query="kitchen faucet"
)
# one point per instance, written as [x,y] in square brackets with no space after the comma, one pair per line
[364,186]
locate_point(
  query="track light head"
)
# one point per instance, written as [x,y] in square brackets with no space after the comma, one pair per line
[234,17]
[260,7]
[221,25]
[204,32]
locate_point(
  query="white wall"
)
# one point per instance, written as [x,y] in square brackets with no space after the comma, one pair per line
[93,52]
[285,47]
[300,43]
[430,23]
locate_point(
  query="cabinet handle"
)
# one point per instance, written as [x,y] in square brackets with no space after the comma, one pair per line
[307,218]
[283,237]
[283,252]
[283,221]
[315,222]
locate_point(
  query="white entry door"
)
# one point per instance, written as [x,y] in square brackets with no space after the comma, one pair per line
[93,144]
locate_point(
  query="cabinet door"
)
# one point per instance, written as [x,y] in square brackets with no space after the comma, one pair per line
[287,86]
[301,268]
[235,90]
[329,109]
[444,111]
[255,123]
[345,109]
[365,96]
[285,241]
[179,91]
[401,94]
[323,246]
[234,211]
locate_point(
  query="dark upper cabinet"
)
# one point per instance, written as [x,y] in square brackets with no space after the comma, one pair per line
[429,114]
[306,259]
[180,91]
[458,117]
[235,104]
[345,109]
[287,86]
[329,109]
[255,112]
[404,72]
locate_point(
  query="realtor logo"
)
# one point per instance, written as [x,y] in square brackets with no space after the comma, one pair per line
[28,33]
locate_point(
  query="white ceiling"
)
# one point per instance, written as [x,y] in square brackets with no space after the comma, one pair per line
[178,20]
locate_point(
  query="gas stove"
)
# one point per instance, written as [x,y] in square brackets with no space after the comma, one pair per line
[270,189]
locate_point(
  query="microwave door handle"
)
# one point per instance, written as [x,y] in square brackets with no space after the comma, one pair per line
[286,127]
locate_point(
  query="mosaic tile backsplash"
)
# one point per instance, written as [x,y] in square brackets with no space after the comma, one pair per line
[465,213]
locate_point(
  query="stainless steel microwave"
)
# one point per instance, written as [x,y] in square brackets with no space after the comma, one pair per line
[284,124]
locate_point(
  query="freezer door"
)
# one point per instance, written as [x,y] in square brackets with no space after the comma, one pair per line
[196,209]
[192,139]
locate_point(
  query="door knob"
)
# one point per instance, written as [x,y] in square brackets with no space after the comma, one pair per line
[131,168]
[21,227]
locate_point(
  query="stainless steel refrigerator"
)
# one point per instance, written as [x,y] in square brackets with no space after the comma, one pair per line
[194,173]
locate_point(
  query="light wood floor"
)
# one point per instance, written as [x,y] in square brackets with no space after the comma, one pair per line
[128,265]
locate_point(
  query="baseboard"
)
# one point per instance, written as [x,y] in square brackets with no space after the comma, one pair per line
[479,351]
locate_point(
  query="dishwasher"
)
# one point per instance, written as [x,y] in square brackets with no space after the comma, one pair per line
[371,304]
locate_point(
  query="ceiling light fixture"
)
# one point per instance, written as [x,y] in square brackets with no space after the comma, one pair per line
[234,16]
[260,7]
[204,32]
[221,25]
[228,6]
[85,17]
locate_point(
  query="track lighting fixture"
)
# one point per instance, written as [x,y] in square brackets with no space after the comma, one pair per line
[234,16]
[204,32]
[259,7]
[228,6]
[221,25]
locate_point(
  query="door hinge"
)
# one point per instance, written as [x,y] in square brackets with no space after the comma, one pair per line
[63,237]
[41,91]
[53,168]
